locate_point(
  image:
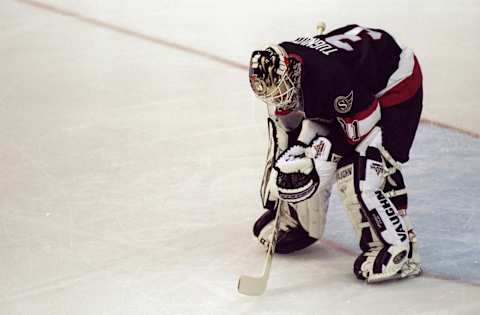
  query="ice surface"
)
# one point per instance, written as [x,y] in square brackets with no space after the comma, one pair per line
[129,170]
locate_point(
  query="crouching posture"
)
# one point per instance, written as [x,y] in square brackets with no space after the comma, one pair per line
[344,107]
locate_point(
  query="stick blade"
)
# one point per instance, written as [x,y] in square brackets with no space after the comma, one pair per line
[251,285]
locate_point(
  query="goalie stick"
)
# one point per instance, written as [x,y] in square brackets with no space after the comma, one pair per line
[256,285]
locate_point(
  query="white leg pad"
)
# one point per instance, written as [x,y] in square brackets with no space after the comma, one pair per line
[312,213]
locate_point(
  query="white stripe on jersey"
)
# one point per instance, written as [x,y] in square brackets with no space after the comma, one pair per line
[404,70]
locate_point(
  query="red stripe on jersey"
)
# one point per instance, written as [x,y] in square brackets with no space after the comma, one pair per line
[363,114]
[405,89]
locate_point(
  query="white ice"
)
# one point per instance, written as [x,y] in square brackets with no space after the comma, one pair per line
[130,160]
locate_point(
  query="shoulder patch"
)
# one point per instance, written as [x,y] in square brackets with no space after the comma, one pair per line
[343,104]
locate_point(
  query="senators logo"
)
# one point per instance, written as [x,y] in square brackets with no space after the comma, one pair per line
[343,104]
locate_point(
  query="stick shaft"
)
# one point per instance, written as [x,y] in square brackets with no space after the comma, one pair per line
[256,285]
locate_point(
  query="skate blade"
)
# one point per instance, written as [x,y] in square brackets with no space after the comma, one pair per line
[398,276]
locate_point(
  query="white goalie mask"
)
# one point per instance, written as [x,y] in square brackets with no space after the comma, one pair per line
[275,79]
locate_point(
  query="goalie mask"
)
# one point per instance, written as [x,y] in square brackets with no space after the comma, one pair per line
[275,79]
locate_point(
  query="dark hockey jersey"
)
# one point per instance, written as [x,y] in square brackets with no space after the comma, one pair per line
[349,74]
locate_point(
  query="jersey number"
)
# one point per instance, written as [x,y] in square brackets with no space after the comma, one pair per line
[351,35]
[352,129]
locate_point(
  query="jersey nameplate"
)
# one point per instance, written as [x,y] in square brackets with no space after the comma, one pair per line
[335,42]
[317,44]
